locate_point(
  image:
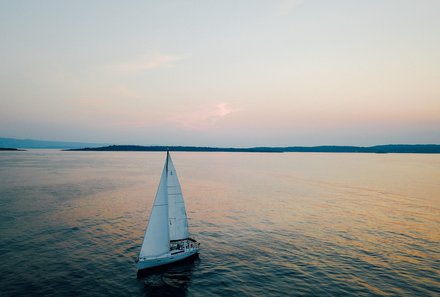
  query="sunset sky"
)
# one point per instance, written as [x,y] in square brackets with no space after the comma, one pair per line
[221,73]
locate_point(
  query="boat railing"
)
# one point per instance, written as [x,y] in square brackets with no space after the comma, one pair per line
[184,244]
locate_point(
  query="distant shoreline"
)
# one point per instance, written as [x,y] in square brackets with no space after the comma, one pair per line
[10,149]
[377,149]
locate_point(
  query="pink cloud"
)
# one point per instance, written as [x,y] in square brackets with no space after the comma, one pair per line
[203,118]
[147,62]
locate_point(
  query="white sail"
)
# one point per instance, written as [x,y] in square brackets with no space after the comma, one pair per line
[157,238]
[178,222]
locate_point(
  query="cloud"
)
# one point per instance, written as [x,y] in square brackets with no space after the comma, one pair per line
[220,111]
[203,118]
[125,92]
[147,62]
[288,6]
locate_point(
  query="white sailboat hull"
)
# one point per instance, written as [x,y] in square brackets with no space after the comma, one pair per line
[166,258]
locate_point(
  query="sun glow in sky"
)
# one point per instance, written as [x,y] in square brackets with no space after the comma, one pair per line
[221,73]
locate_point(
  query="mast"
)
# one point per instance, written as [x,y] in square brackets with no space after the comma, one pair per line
[166,162]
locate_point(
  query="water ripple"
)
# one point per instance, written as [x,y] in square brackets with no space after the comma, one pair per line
[72,225]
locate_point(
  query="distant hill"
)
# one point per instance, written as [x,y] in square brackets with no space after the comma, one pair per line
[9,149]
[139,148]
[45,144]
[378,149]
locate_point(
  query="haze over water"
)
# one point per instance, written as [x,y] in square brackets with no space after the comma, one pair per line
[71,223]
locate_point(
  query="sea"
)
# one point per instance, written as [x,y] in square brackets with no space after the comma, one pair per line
[269,224]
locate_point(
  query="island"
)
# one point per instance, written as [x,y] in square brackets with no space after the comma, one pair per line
[377,149]
[10,149]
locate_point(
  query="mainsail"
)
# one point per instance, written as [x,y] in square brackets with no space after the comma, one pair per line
[178,222]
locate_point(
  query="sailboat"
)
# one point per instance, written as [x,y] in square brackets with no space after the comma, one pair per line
[167,238]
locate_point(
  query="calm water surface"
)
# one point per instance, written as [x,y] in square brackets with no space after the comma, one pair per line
[71,223]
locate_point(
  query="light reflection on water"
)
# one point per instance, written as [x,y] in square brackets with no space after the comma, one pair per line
[270,224]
